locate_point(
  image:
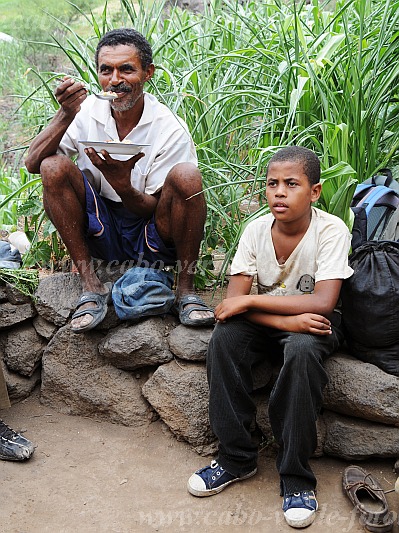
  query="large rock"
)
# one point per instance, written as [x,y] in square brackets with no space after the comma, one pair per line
[190,343]
[44,328]
[137,345]
[23,349]
[179,393]
[56,297]
[20,387]
[11,314]
[77,380]
[15,296]
[361,390]
[3,293]
[352,438]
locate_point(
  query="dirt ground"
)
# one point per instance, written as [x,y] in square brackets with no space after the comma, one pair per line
[94,477]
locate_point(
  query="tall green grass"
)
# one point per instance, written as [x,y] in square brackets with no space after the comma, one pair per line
[249,79]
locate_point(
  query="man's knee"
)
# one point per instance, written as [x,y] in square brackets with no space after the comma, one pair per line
[57,168]
[185,178]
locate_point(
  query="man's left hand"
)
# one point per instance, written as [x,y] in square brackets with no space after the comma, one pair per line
[117,173]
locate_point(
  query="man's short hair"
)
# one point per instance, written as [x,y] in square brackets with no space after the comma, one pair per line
[299,154]
[129,37]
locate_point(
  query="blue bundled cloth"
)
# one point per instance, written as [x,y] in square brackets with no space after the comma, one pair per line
[142,292]
[9,256]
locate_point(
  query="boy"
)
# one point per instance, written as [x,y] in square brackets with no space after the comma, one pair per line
[300,257]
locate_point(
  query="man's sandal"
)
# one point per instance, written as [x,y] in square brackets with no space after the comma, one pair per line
[98,312]
[182,310]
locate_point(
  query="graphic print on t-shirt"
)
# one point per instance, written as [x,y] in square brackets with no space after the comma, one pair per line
[306,284]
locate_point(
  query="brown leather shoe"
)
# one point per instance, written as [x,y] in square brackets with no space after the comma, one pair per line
[368,497]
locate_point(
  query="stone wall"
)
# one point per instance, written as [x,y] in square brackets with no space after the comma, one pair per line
[133,373]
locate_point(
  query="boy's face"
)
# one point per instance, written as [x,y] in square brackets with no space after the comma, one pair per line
[288,191]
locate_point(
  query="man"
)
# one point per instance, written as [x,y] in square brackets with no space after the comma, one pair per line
[135,209]
[13,446]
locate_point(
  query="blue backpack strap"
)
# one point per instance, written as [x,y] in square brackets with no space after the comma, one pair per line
[376,194]
[363,187]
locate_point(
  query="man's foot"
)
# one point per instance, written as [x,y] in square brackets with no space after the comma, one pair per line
[193,311]
[91,309]
[300,508]
[212,479]
[13,446]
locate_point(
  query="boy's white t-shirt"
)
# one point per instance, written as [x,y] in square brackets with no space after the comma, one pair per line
[321,254]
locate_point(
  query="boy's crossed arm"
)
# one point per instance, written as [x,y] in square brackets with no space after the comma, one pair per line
[298,313]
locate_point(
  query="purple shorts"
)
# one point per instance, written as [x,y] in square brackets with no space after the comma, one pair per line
[113,233]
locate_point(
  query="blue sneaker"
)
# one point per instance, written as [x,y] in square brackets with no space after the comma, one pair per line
[212,479]
[300,508]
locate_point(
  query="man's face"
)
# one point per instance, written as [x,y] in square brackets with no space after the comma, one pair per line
[120,71]
[288,191]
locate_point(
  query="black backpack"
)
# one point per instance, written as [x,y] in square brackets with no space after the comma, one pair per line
[375,205]
[370,297]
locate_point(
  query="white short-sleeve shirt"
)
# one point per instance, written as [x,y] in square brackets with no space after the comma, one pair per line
[168,137]
[322,254]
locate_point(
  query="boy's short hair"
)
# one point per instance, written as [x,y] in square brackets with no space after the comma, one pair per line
[299,154]
[130,37]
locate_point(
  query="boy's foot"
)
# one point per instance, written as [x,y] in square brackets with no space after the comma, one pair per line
[13,446]
[212,479]
[300,508]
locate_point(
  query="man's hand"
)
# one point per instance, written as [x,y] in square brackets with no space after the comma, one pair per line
[70,95]
[229,307]
[117,173]
[306,323]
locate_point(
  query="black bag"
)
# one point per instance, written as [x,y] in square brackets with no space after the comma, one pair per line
[370,305]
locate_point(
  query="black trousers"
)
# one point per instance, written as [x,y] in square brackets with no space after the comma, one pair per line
[295,400]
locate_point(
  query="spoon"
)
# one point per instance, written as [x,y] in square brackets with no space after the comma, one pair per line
[106,95]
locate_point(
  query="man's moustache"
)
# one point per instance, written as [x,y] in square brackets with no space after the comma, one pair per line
[121,89]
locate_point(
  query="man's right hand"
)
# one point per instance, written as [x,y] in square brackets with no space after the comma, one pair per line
[70,95]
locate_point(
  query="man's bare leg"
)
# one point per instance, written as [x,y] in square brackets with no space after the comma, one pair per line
[181,222]
[64,202]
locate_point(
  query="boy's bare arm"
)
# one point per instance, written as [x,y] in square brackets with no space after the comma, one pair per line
[304,323]
[239,285]
[321,302]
